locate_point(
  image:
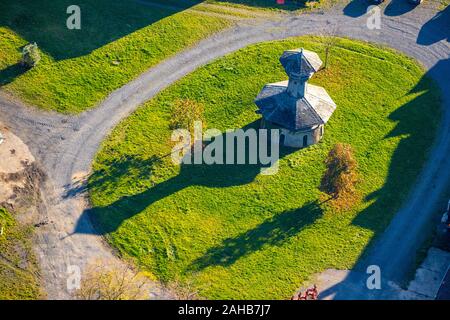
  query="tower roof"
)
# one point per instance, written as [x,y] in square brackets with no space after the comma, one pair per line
[300,63]
[296,114]
[294,104]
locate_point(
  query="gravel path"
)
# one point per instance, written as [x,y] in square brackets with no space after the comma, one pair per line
[65,146]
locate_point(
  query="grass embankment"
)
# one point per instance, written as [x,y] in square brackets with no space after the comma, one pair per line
[288,5]
[235,233]
[118,40]
[18,268]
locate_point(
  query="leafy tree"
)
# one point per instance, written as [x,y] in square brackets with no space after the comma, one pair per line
[184,113]
[30,55]
[340,176]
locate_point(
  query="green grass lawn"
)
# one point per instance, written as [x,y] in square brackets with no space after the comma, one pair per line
[288,5]
[235,233]
[18,269]
[118,40]
[264,4]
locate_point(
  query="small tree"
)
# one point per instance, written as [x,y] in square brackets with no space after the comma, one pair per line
[184,113]
[106,281]
[30,55]
[340,177]
[183,291]
[329,41]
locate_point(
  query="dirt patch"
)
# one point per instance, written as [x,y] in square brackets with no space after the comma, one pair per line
[21,180]
[20,176]
[14,154]
[21,189]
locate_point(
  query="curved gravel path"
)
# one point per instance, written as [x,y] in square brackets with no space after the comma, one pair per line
[65,146]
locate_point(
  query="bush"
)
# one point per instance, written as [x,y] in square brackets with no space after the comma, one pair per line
[184,113]
[340,177]
[30,55]
[104,280]
[183,291]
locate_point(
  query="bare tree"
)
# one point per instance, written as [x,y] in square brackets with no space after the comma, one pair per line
[185,290]
[104,280]
[329,41]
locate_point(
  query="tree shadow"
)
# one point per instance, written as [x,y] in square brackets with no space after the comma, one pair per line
[11,72]
[272,232]
[289,5]
[102,22]
[394,253]
[109,218]
[436,29]
[356,8]
[130,165]
[398,7]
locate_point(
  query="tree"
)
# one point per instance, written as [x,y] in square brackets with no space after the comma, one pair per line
[30,55]
[183,290]
[184,113]
[340,176]
[329,41]
[105,281]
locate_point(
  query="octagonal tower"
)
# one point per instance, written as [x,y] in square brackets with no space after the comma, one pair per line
[300,110]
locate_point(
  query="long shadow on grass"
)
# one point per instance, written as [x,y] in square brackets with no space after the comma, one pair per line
[271,4]
[109,218]
[11,72]
[395,255]
[133,166]
[102,22]
[271,232]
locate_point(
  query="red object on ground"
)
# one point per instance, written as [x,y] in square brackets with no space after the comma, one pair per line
[312,293]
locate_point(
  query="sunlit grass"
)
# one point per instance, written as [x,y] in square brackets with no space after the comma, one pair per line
[117,41]
[238,234]
[18,270]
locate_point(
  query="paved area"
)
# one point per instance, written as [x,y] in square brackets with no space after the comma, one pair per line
[430,274]
[348,285]
[65,146]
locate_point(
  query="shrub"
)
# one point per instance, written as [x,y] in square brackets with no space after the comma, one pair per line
[30,55]
[104,280]
[340,176]
[183,291]
[184,113]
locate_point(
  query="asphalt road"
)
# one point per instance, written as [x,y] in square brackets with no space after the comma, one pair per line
[66,145]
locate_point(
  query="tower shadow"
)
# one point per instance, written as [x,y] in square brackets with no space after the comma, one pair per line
[108,219]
